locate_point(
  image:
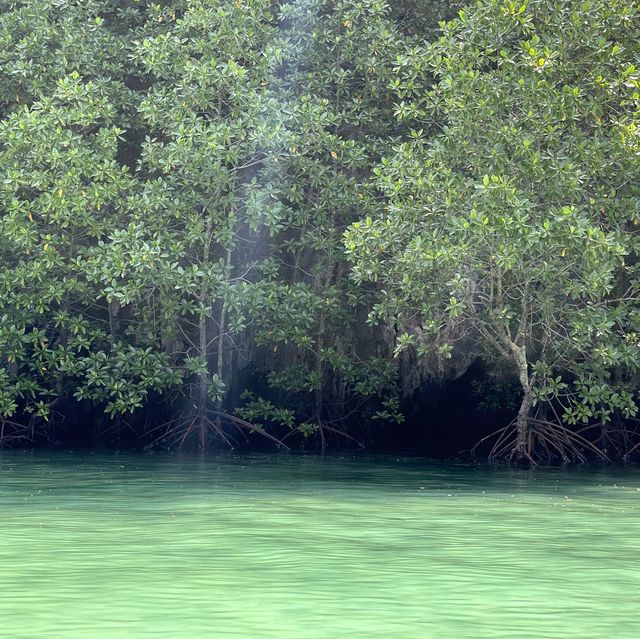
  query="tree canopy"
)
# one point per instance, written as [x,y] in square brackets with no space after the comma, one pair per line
[517,220]
[240,217]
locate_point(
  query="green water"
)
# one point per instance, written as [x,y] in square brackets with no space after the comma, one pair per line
[117,546]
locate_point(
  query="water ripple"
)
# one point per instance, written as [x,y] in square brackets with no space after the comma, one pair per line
[111,546]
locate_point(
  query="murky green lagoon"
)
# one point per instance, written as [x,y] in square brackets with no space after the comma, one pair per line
[111,546]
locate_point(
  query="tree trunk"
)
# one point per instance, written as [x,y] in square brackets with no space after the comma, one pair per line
[523,447]
[523,444]
[114,319]
[222,332]
[203,398]
[319,391]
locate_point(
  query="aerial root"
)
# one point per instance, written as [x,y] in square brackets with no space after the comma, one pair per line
[177,432]
[573,439]
[11,431]
[116,426]
[321,428]
[500,431]
[546,441]
[344,434]
[618,438]
[630,452]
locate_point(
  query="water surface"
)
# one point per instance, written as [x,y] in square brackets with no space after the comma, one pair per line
[115,546]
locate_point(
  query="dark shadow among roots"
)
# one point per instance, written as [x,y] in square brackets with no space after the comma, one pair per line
[11,432]
[35,430]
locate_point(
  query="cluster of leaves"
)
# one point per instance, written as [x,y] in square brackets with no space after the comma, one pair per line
[517,221]
[177,176]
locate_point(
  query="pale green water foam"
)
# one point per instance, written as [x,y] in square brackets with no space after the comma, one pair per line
[106,546]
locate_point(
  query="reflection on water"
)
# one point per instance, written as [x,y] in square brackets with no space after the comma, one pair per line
[115,546]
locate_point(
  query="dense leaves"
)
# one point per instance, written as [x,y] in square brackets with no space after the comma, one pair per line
[518,221]
[181,180]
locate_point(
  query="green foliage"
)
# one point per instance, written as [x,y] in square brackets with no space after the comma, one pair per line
[179,180]
[177,177]
[517,221]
